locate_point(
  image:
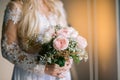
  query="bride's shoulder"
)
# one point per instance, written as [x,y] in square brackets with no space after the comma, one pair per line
[12,5]
[59,2]
[13,11]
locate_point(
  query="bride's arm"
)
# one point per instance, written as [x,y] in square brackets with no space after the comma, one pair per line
[9,43]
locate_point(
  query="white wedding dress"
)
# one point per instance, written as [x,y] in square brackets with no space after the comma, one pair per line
[26,67]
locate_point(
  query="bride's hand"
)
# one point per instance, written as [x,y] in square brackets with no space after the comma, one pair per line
[55,70]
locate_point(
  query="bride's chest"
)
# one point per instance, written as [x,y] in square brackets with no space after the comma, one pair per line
[47,21]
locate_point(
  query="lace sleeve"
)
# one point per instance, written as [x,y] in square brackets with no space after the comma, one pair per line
[12,13]
[10,48]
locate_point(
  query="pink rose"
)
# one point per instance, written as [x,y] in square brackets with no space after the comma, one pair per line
[74,34]
[64,32]
[82,43]
[68,32]
[60,43]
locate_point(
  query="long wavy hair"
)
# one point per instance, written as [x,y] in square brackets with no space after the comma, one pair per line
[30,22]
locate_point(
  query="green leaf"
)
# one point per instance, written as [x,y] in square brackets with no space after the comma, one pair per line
[75,58]
[49,60]
[60,61]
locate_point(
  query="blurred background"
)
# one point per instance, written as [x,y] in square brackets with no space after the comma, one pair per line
[98,22]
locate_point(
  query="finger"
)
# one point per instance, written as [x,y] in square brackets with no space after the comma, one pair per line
[60,69]
[57,71]
[59,75]
[69,63]
[66,67]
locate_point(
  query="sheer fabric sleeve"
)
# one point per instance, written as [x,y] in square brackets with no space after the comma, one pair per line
[63,16]
[9,43]
[63,19]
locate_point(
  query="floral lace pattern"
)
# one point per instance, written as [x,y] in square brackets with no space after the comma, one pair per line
[13,15]
[13,52]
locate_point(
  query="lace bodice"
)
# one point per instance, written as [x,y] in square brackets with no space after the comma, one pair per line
[9,44]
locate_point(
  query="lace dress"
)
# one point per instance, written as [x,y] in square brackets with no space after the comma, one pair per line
[26,67]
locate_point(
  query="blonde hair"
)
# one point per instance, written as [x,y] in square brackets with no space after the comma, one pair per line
[30,22]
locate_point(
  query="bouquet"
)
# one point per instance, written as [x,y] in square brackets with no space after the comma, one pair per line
[59,44]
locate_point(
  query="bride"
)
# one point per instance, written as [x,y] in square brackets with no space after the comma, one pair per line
[24,18]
